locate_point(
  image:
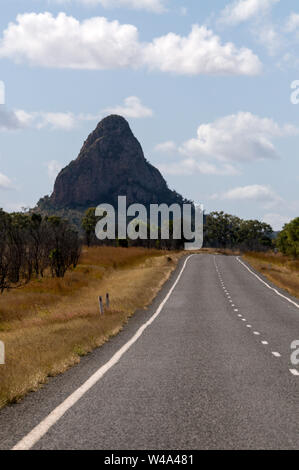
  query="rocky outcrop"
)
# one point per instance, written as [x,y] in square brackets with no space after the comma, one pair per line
[111,163]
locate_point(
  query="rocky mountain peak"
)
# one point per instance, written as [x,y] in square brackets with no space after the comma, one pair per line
[111,163]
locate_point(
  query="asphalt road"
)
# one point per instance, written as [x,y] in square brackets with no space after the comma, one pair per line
[211,371]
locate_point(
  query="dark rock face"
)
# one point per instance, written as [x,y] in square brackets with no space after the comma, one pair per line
[111,163]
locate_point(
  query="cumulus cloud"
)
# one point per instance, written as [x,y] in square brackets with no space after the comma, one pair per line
[237,138]
[221,146]
[155,6]
[98,44]
[244,10]
[132,108]
[199,53]
[5,182]
[255,192]
[64,42]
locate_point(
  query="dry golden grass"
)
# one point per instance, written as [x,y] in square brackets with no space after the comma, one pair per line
[281,270]
[47,325]
[220,251]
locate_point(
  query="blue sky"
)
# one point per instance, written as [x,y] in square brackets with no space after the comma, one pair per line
[206,87]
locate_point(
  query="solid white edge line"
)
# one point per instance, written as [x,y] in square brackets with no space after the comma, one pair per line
[267,285]
[43,427]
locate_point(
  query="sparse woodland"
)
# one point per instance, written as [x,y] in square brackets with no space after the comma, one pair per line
[220,231]
[30,245]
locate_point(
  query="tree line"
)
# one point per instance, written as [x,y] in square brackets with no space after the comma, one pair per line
[288,239]
[220,231]
[90,220]
[228,231]
[31,244]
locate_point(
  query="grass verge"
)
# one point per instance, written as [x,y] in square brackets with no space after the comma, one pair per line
[47,325]
[283,271]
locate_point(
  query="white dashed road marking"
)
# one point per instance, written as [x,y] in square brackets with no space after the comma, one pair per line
[294,372]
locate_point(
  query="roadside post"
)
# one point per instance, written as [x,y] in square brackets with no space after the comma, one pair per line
[101,306]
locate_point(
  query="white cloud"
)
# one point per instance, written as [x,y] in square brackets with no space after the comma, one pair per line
[200,53]
[98,44]
[244,10]
[9,120]
[166,147]
[156,6]
[256,192]
[292,23]
[269,36]
[64,42]
[54,168]
[238,137]
[5,182]
[277,221]
[190,166]
[20,119]
[66,121]
[221,146]
[132,108]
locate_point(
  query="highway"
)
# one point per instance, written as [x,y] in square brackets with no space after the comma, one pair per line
[207,366]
